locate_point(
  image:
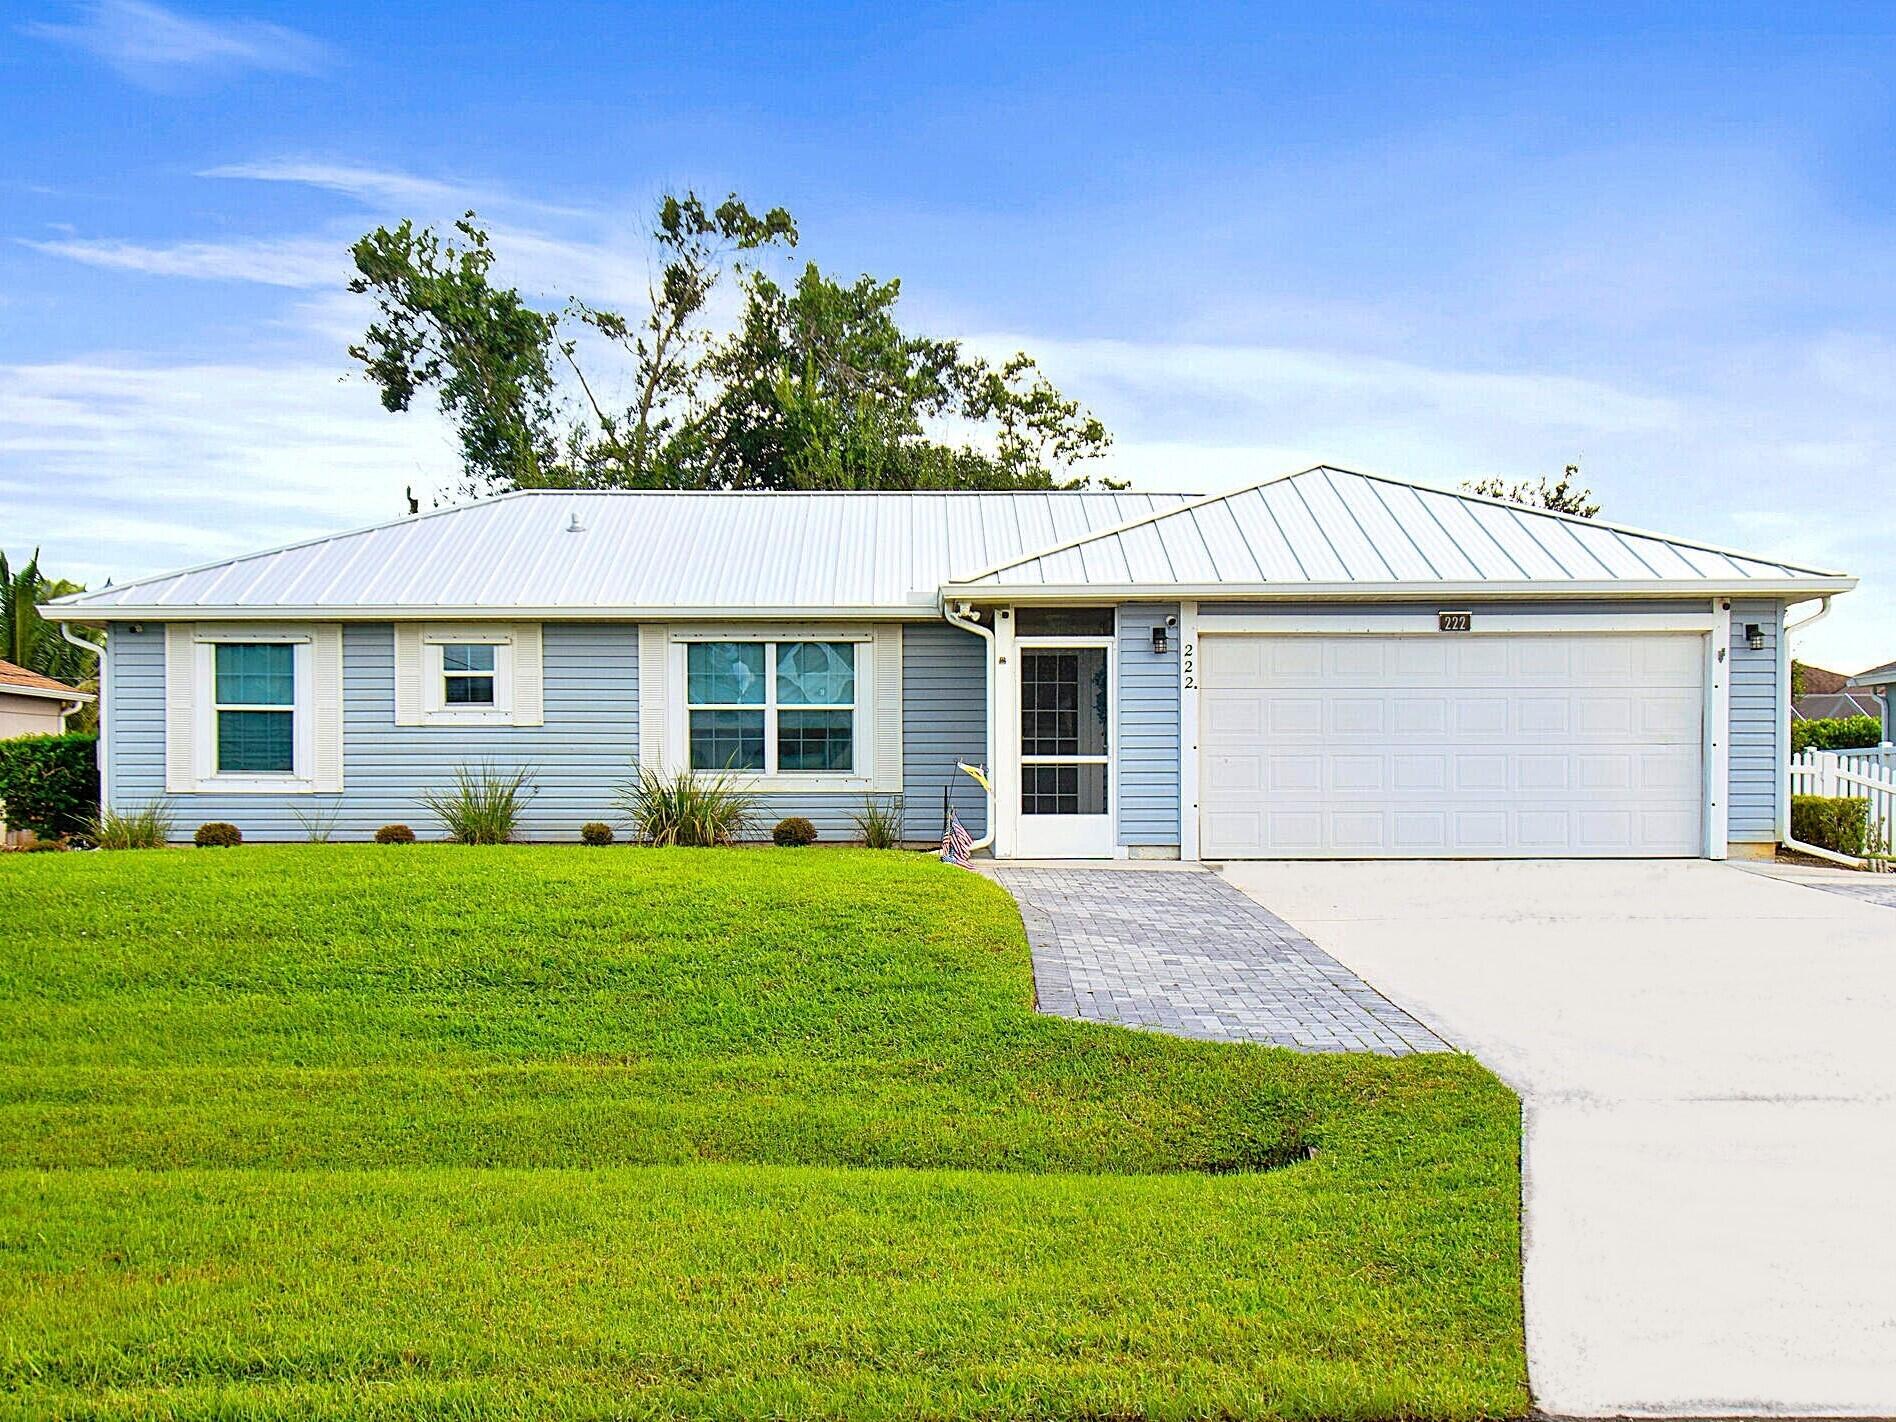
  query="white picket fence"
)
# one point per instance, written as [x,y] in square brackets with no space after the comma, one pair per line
[1883,757]
[1851,774]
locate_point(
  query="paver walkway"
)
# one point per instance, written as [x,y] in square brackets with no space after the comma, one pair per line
[1181,951]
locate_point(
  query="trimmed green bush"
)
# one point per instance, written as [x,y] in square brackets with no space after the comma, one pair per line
[394,834]
[595,833]
[794,831]
[50,784]
[217,834]
[1836,823]
[1836,733]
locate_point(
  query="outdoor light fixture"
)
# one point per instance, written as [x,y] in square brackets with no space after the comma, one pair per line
[1158,638]
[1754,636]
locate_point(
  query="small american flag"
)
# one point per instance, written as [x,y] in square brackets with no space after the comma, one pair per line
[957,845]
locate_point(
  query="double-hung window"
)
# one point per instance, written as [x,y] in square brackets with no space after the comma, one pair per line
[467,674]
[771,708]
[254,702]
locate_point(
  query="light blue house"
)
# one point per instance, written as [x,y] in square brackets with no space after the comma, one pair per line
[1324,664]
[1880,682]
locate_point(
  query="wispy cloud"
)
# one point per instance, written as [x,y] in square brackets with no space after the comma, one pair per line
[302,262]
[156,47]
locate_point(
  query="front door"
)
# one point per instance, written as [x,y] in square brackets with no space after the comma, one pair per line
[1065,755]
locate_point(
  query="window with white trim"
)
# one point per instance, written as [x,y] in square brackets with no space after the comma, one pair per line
[253,691]
[771,708]
[468,677]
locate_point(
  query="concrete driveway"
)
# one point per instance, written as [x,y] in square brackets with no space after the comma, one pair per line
[1707,1059]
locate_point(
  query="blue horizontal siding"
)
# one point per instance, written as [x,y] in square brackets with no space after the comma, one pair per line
[1757,705]
[944,720]
[1148,729]
[587,747]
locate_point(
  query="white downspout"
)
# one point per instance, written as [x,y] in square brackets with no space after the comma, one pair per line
[1784,822]
[98,650]
[959,616]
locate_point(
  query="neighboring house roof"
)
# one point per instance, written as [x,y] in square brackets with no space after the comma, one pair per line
[1819,682]
[677,553]
[18,681]
[1827,705]
[1332,530]
[1884,675]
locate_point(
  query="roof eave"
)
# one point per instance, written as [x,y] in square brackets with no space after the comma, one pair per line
[1792,589]
[921,610]
[69,693]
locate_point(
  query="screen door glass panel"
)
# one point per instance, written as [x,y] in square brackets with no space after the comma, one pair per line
[1063,721]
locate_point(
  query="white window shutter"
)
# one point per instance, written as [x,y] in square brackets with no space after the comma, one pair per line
[886,714]
[325,690]
[408,674]
[181,775]
[529,679]
[654,655]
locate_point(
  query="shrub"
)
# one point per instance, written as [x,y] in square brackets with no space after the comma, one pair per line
[879,822]
[1836,733]
[319,825]
[50,784]
[394,834]
[596,833]
[484,806]
[217,835]
[146,826]
[794,831]
[687,809]
[1841,824]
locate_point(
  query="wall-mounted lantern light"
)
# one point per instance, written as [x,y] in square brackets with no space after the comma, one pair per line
[1754,636]
[1158,638]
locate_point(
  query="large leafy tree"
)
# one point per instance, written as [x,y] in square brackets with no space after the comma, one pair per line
[817,386]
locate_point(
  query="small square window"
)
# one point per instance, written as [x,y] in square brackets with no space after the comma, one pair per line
[467,670]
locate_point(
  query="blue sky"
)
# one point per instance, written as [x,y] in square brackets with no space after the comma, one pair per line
[1439,240]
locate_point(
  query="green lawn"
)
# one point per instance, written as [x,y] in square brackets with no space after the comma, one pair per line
[356,1131]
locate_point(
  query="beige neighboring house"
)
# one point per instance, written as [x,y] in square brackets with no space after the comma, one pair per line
[33,705]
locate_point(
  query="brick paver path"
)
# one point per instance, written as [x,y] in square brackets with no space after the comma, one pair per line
[1181,951]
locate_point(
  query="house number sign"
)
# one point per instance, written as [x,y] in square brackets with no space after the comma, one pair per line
[1454,621]
[1188,665]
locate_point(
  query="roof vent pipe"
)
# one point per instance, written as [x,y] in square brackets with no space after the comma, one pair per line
[575,526]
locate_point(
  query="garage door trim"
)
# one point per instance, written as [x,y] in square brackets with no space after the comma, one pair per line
[1712,622]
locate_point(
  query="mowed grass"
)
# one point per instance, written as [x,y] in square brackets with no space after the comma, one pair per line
[353,1131]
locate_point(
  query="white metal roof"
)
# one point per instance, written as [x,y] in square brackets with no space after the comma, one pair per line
[1334,531]
[670,553]
[657,551]
[1876,676]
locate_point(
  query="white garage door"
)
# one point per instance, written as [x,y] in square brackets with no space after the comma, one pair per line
[1471,746]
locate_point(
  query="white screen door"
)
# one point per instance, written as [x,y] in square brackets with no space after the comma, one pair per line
[1065,755]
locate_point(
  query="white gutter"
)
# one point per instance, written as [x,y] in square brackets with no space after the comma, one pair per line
[98,650]
[958,615]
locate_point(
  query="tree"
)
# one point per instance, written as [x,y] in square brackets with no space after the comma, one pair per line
[29,640]
[816,387]
[1566,496]
[820,388]
[484,352]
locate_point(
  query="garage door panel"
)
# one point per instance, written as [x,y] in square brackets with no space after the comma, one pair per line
[1490,746]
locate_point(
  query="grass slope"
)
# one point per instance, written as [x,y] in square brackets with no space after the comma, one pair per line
[358,1132]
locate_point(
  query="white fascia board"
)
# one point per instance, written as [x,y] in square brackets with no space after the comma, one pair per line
[1797,589]
[8,688]
[97,616]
